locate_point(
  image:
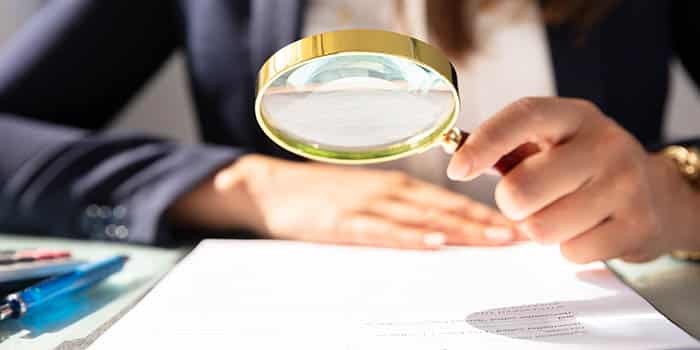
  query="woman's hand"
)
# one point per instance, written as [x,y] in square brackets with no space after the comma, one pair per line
[324,203]
[584,182]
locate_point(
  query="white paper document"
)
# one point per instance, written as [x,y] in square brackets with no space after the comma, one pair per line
[231,294]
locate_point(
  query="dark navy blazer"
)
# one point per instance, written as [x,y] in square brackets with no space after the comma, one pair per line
[76,63]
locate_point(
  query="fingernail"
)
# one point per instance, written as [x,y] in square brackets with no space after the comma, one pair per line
[499,234]
[458,169]
[434,239]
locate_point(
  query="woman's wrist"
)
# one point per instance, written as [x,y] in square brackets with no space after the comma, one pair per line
[686,162]
[222,201]
[682,204]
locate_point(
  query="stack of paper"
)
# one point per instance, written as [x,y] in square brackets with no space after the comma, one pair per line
[286,295]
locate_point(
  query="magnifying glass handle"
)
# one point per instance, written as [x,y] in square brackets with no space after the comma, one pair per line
[455,138]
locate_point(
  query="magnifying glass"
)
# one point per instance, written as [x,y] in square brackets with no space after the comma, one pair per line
[359,97]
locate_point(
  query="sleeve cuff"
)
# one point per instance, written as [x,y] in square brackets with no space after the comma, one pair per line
[139,218]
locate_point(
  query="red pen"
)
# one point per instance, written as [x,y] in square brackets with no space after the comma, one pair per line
[33,255]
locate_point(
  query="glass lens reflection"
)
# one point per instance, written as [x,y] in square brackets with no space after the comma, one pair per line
[357,102]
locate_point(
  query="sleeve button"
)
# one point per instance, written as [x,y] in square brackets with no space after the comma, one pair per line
[121,232]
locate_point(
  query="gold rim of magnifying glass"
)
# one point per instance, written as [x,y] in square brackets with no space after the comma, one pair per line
[358,41]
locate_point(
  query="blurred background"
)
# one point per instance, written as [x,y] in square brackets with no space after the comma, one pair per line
[165,100]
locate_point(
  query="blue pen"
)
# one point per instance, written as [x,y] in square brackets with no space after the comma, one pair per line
[17,304]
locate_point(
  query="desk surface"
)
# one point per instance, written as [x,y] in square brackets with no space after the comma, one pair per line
[673,287]
[69,327]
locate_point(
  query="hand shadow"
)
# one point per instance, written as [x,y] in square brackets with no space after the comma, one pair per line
[64,311]
[580,322]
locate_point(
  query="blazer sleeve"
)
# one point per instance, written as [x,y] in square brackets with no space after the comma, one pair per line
[62,78]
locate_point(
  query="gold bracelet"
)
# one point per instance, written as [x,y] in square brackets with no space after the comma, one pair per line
[687,159]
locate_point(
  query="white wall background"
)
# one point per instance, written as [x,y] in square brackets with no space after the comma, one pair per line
[164,107]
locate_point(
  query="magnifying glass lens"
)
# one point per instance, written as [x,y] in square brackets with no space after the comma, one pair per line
[357,106]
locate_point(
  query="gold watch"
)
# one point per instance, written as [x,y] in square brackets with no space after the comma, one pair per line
[687,159]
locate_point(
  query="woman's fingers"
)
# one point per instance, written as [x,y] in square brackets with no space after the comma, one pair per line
[611,239]
[543,178]
[542,121]
[479,235]
[565,218]
[467,222]
[430,196]
[640,257]
[372,230]
[510,160]
[458,230]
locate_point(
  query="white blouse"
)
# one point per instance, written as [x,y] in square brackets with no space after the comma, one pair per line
[511,60]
